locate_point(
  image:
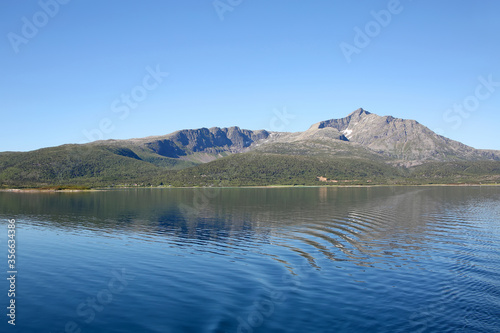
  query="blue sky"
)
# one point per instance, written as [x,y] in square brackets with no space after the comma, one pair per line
[74,70]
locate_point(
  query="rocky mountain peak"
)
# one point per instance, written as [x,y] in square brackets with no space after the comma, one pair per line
[361,133]
[343,124]
[403,140]
[358,113]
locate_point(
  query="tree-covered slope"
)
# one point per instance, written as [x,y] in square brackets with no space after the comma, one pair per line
[260,169]
[277,169]
[74,164]
[458,172]
[362,148]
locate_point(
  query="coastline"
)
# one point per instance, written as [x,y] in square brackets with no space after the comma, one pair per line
[36,190]
[45,190]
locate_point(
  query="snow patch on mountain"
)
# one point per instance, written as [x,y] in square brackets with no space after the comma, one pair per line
[347,132]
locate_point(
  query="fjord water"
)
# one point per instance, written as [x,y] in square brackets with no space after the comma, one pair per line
[381,259]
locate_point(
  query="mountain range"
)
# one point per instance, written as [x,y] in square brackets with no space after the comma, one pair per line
[358,149]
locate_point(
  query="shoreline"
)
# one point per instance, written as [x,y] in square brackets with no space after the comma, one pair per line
[36,190]
[39,190]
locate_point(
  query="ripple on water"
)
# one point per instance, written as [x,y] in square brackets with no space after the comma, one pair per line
[373,260]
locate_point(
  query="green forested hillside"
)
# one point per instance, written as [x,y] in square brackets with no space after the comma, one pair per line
[98,165]
[101,166]
[276,169]
[458,172]
[73,164]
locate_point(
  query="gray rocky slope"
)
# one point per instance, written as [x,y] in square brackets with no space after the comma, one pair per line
[361,134]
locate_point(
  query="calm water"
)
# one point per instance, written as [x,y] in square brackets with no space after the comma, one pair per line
[405,259]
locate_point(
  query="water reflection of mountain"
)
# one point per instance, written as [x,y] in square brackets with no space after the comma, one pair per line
[357,224]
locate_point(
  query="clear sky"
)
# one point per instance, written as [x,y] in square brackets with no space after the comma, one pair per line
[77,70]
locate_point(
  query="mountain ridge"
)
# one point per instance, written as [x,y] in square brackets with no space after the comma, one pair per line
[405,142]
[360,136]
